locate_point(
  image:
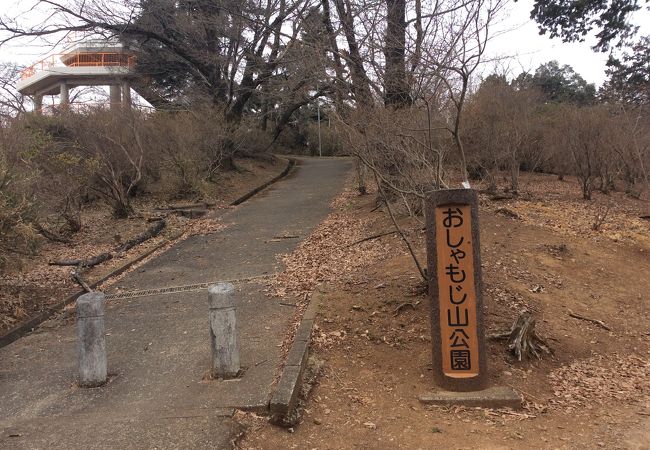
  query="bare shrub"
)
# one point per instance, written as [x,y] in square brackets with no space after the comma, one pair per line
[112,155]
[17,208]
[61,186]
[503,131]
[190,149]
[403,148]
[184,154]
[580,137]
[629,138]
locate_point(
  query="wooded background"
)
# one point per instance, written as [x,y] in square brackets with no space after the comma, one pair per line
[396,82]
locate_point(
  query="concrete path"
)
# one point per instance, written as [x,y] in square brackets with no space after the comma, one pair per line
[158,346]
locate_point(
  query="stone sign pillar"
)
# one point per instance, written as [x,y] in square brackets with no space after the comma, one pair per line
[454,267]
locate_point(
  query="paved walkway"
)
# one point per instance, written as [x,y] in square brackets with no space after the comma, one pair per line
[158,347]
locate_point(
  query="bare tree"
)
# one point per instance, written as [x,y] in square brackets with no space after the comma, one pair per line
[504,127]
[225,52]
[582,133]
[12,103]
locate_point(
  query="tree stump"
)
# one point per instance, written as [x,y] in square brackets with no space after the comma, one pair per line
[523,340]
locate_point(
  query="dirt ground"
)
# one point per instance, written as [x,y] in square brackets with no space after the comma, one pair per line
[30,285]
[540,254]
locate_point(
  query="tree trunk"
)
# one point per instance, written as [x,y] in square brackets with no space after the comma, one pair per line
[586,188]
[396,90]
[338,65]
[360,82]
[514,177]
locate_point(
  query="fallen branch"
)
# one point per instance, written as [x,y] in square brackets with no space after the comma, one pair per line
[374,236]
[401,306]
[201,205]
[421,270]
[49,234]
[600,323]
[152,232]
[83,263]
[77,277]
[96,260]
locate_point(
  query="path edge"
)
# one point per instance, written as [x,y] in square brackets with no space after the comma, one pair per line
[284,403]
[20,330]
[291,162]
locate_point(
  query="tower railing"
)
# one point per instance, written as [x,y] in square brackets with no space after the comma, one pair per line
[81,59]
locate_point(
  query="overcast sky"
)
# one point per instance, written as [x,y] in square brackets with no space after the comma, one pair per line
[516,36]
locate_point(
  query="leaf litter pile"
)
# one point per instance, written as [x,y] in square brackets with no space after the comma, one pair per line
[591,382]
[327,255]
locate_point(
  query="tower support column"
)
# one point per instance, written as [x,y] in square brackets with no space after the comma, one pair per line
[38,104]
[116,95]
[126,93]
[64,95]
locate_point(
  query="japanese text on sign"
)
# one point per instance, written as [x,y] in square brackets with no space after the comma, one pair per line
[456,291]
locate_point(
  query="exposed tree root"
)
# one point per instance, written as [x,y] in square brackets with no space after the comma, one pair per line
[600,323]
[508,213]
[401,306]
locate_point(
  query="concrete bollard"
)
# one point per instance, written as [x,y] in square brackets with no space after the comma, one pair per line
[92,339]
[223,331]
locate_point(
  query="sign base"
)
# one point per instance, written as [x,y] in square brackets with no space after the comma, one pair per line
[493,397]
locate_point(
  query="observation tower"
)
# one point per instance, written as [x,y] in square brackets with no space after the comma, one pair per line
[88,63]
